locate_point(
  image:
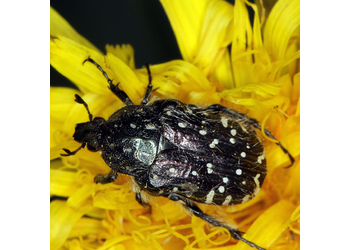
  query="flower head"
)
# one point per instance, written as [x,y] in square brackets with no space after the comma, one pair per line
[227,59]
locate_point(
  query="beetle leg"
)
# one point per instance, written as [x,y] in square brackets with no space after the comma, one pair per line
[114,88]
[268,133]
[106,178]
[120,93]
[195,210]
[149,87]
[143,203]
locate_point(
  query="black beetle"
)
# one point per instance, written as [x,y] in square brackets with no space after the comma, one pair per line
[183,152]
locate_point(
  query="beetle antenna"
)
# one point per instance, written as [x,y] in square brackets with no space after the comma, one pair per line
[80,100]
[74,152]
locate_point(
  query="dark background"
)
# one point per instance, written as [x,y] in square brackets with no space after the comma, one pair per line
[143,24]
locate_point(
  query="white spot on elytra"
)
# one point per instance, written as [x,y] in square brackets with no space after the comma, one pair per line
[243,154]
[239,171]
[202,132]
[168,113]
[150,126]
[210,197]
[246,198]
[172,170]
[257,183]
[194,173]
[132,125]
[175,189]
[225,179]
[257,189]
[213,143]
[224,121]
[221,189]
[233,132]
[209,165]
[261,158]
[182,125]
[227,200]
[256,180]
[243,128]
[248,147]
[210,170]
[244,182]
[232,141]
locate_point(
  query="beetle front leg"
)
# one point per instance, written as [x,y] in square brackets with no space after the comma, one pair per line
[195,210]
[106,178]
[114,88]
[149,87]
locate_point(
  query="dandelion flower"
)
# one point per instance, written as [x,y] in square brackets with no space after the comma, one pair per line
[247,66]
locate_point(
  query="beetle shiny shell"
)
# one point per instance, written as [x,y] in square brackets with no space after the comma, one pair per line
[210,155]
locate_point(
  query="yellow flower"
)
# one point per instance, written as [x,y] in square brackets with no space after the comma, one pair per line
[227,60]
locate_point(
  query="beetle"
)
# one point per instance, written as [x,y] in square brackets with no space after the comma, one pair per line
[188,154]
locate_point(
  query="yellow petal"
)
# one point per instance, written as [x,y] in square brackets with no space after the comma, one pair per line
[59,26]
[56,134]
[110,243]
[186,18]
[278,68]
[257,43]
[81,198]
[67,57]
[216,35]
[283,20]
[86,226]
[61,102]
[198,231]
[182,80]
[62,219]
[259,96]
[269,226]
[223,71]
[185,72]
[63,183]
[296,87]
[124,52]
[203,31]
[241,42]
[112,196]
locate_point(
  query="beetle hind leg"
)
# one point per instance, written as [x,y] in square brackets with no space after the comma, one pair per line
[195,210]
[268,133]
[142,202]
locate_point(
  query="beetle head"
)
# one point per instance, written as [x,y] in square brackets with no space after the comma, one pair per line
[87,133]
[90,133]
